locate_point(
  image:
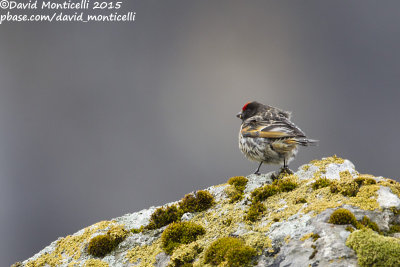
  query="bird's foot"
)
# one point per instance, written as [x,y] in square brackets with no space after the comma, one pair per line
[274,176]
[284,171]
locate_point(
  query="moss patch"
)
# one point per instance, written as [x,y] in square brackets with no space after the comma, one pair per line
[201,201]
[261,194]
[185,254]
[321,183]
[70,246]
[229,249]
[236,190]
[101,245]
[373,249]
[300,200]
[164,216]
[343,216]
[180,233]
[365,221]
[239,182]
[286,184]
[255,211]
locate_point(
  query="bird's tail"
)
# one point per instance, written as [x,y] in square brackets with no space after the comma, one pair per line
[307,142]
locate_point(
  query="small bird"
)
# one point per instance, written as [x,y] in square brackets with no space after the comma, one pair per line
[268,136]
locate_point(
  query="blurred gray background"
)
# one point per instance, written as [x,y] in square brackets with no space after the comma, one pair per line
[99,120]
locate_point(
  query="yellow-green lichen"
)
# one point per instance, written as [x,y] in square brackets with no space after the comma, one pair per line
[95,263]
[180,233]
[373,249]
[257,240]
[306,167]
[226,217]
[70,246]
[310,235]
[145,255]
[185,254]
[306,236]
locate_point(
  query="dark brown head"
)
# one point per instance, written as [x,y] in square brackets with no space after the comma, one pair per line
[250,109]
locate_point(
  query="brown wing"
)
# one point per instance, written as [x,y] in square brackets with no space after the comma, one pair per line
[271,129]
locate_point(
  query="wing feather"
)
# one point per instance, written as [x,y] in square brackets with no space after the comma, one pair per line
[271,129]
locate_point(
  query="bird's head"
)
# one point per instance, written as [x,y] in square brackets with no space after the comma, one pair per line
[249,110]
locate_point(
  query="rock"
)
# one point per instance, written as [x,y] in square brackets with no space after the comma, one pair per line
[387,199]
[292,228]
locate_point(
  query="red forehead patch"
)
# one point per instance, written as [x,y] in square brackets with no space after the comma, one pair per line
[245,106]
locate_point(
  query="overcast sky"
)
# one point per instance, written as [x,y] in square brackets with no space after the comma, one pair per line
[102,119]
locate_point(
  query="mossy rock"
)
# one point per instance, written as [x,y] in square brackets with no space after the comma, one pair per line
[164,216]
[101,245]
[261,194]
[229,249]
[364,181]
[343,216]
[240,256]
[255,211]
[349,189]
[285,185]
[180,233]
[239,182]
[373,249]
[235,191]
[365,221]
[321,183]
[395,228]
[300,200]
[201,201]
[234,194]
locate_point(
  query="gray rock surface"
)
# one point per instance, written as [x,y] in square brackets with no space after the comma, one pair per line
[291,243]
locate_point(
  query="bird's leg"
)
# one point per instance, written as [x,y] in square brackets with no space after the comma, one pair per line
[257,172]
[285,169]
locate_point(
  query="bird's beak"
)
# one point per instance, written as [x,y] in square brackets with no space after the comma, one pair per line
[239,115]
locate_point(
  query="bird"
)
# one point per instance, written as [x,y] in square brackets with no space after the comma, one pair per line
[268,136]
